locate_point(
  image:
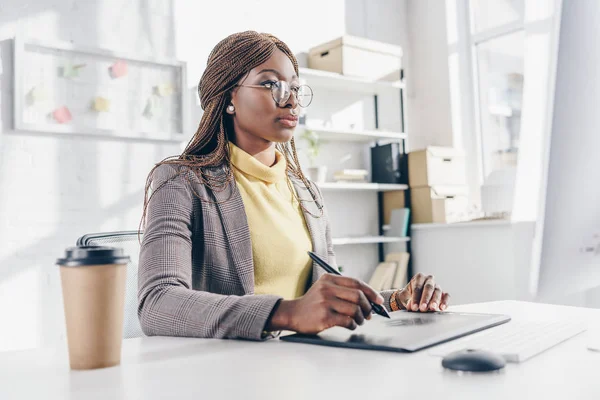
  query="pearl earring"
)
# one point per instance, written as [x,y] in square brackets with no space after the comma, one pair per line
[230,109]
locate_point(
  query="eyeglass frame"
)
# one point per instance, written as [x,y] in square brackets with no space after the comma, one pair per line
[295,93]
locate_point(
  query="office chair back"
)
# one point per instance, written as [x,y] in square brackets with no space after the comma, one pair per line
[128,241]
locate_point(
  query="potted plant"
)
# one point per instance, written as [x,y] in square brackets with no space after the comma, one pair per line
[315,173]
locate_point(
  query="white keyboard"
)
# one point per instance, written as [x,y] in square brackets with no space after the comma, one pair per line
[515,341]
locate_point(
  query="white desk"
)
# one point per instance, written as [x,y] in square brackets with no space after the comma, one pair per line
[176,368]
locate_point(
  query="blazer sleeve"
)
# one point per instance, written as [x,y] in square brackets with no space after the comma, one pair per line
[167,304]
[387,294]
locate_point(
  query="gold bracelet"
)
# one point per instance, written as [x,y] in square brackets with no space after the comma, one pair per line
[393,302]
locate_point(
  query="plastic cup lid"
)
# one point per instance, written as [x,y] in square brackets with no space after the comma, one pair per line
[92,255]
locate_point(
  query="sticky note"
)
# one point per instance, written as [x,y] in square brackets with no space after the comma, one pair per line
[37,95]
[68,71]
[71,71]
[118,69]
[101,104]
[62,115]
[165,89]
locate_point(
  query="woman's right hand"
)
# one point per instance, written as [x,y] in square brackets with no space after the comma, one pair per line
[332,301]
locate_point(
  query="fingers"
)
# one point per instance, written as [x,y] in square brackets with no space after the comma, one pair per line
[352,283]
[344,321]
[428,289]
[426,294]
[349,311]
[354,296]
[403,299]
[445,301]
[417,283]
[436,299]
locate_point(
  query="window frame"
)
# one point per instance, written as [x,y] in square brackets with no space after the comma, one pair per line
[467,118]
[475,39]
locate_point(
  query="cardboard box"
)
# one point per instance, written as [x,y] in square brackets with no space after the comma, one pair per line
[439,204]
[391,200]
[435,166]
[354,56]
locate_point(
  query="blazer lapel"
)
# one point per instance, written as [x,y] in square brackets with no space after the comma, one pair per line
[232,215]
[316,225]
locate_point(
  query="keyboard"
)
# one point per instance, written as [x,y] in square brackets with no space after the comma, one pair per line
[515,341]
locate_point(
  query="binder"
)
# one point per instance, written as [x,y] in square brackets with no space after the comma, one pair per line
[383,276]
[400,274]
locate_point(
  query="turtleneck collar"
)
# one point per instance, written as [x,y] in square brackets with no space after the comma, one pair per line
[251,166]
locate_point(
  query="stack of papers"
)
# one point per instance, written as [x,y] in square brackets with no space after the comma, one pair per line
[351,175]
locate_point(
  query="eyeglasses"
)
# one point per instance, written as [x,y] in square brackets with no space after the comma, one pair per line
[281,92]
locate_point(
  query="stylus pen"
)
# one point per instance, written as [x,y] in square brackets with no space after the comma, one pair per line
[376,307]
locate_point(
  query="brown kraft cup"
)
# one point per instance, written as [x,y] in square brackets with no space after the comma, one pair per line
[93,287]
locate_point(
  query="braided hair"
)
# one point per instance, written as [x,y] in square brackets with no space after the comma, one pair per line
[229,61]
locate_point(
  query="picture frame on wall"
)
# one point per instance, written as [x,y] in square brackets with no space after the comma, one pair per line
[70,89]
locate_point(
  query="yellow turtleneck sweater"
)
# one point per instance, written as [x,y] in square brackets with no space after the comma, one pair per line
[279,235]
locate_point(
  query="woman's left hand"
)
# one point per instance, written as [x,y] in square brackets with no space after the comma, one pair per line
[422,294]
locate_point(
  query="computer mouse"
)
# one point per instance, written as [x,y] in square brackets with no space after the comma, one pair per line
[473,361]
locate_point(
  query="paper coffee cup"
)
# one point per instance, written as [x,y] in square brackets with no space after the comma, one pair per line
[93,286]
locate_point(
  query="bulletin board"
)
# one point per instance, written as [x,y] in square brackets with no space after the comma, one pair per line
[63,88]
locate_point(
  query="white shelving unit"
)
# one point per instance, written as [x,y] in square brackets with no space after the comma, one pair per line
[367,186]
[334,81]
[350,135]
[368,240]
[328,81]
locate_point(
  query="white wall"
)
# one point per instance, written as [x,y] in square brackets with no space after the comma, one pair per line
[385,20]
[476,261]
[429,118]
[56,188]
[571,214]
[419,26]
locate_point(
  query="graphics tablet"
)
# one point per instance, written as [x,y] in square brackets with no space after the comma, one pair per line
[404,332]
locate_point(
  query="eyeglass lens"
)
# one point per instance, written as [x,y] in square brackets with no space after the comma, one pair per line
[281,93]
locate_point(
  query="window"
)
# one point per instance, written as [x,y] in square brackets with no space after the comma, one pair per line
[486,15]
[500,90]
[502,62]
[497,40]
[486,46]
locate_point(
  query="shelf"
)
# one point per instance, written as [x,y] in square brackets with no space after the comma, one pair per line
[334,81]
[469,224]
[368,240]
[350,135]
[375,187]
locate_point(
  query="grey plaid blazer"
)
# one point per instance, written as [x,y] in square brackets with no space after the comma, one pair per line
[196,273]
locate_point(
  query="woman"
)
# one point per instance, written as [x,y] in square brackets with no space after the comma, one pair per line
[229,221]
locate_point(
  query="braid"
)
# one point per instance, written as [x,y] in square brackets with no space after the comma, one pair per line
[229,61]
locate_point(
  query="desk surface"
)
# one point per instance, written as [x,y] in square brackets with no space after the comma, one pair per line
[178,368]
